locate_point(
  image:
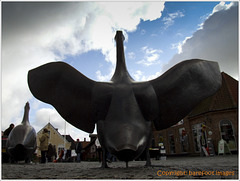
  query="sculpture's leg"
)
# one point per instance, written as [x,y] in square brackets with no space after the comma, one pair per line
[12,160]
[27,160]
[104,158]
[148,160]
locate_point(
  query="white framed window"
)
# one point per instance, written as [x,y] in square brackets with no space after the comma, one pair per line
[227,133]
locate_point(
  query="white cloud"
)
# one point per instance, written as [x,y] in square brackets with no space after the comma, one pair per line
[50,115]
[179,45]
[131,55]
[127,15]
[179,34]
[140,76]
[104,78]
[150,77]
[137,76]
[222,6]
[37,33]
[170,18]
[217,40]
[151,56]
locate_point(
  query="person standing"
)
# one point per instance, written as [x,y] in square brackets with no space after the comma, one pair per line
[50,153]
[44,144]
[54,152]
[78,150]
[99,149]
[8,130]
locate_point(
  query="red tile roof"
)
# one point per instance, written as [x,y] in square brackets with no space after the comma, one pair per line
[225,98]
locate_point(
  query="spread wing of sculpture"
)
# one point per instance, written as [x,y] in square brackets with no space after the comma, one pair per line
[22,141]
[123,109]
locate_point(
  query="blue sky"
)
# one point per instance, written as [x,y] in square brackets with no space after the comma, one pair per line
[178,21]
[157,36]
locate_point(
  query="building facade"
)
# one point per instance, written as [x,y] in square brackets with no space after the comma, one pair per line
[66,142]
[213,119]
[55,138]
[90,150]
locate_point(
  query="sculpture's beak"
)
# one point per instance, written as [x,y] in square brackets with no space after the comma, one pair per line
[126,141]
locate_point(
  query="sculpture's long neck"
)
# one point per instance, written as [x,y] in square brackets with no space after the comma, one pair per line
[121,73]
[26,113]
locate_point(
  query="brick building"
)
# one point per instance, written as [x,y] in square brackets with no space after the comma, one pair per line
[214,118]
[90,150]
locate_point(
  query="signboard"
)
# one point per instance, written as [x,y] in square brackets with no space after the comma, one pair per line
[223,147]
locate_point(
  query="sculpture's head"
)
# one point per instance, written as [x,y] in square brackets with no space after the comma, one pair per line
[122,108]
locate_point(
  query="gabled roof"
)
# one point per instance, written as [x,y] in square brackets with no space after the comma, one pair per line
[46,126]
[90,143]
[85,144]
[69,138]
[54,129]
[225,98]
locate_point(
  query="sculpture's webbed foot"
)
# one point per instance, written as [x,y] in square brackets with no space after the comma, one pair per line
[148,164]
[104,166]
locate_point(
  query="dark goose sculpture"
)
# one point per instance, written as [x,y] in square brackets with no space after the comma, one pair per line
[122,108]
[22,141]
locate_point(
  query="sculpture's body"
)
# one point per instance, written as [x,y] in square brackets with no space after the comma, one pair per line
[22,141]
[122,108]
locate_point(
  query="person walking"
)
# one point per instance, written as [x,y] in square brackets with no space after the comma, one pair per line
[78,150]
[44,144]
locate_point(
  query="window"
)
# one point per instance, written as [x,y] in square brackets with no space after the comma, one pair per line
[49,133]
[160,138]
[153,142]
[199,136]
[227,133]
[93,149]
[183,139]
[171,142]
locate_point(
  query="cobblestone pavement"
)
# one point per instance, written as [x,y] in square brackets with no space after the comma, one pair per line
[218,167]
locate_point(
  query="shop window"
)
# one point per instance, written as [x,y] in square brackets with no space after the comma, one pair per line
[227,133]
[49,133]
[171,142]
[153,142]
[93,148]
[160,138]
[183,139]
[199,136]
